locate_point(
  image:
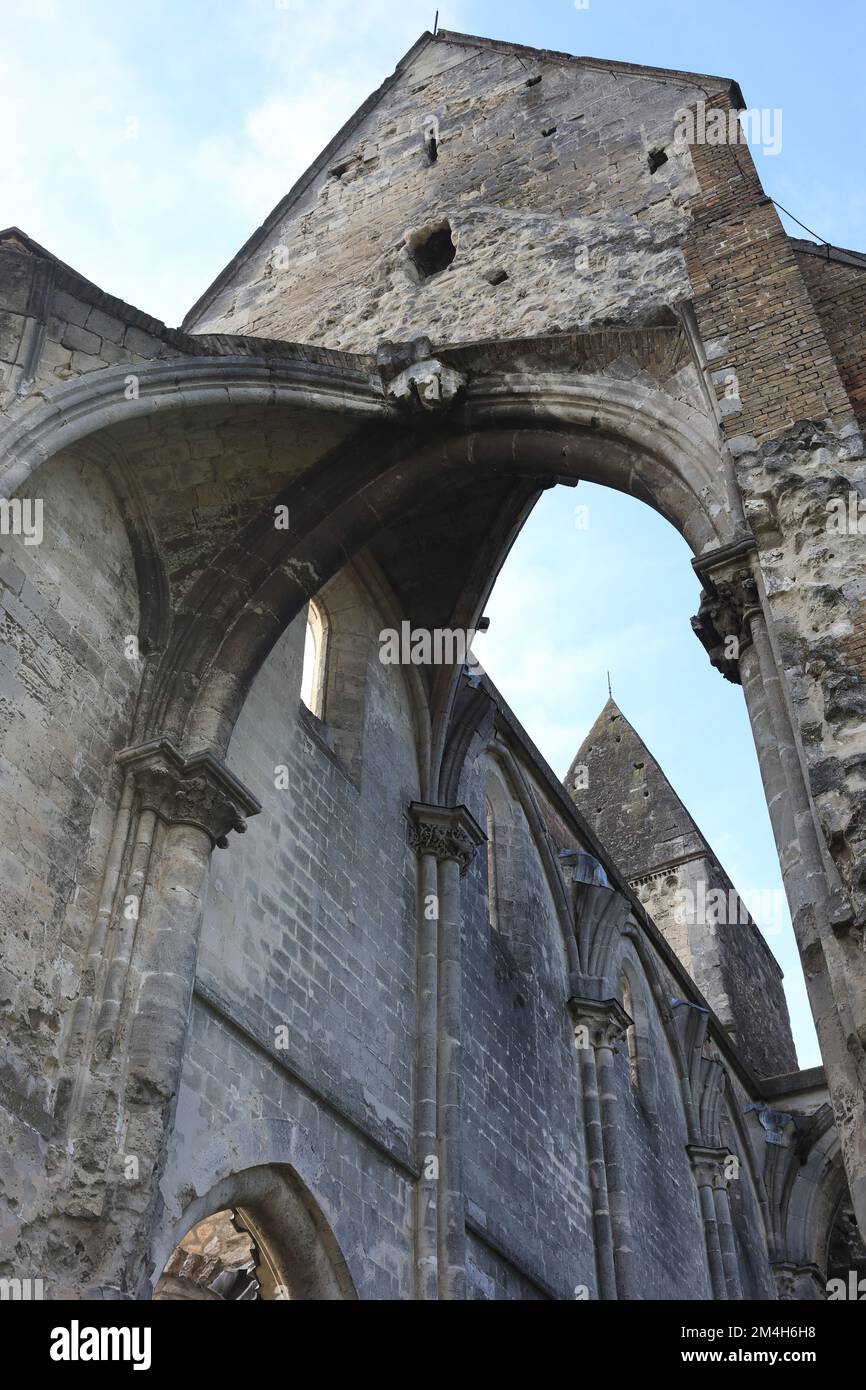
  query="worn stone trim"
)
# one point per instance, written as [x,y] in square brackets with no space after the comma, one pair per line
[251,1031]
[506,1252]
[666,868]
[825,252]
[553,55]
[788,1083]
[704,565]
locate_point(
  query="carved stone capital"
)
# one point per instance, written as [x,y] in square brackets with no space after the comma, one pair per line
[598,1022]
[446,832]
[198,790]
[708,1165]
[797,1282]
[723,620]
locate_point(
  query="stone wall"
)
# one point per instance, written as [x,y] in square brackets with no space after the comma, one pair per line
[629,293]
[836,281]
[67,608]
[557,220]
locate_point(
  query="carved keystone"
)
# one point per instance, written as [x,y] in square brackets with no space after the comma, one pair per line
[430,384]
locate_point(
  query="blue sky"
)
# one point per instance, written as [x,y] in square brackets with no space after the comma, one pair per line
[144,142]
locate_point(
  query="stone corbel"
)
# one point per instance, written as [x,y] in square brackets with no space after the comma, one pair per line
[605,1021]
[198,790]
[725,612]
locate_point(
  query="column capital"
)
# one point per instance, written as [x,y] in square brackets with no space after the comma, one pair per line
[796,1281]
[605,1021]
[708,1164]
[723,621]
[194,790]
[446,832]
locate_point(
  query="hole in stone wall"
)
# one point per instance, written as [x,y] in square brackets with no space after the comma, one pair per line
[656,159]
[496,277]
[431,140]
[534,81]
[339,170]
[549,130]
[432,251]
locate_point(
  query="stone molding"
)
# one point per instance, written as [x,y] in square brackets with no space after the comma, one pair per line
[197,790]
[445,832]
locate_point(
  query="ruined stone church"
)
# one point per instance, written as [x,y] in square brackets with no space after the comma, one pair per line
[315,982]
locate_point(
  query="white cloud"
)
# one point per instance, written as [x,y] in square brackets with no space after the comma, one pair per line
[149,189]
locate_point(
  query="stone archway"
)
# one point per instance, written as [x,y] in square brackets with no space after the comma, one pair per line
[508,421]
[290,1251]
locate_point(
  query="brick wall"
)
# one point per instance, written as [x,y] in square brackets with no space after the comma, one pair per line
[838,292]
[750,299]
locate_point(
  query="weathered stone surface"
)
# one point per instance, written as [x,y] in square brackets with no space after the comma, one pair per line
[357,1040]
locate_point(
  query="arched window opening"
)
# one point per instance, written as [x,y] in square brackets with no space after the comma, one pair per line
[313,673]
[631,1031]
[220,1260]
[492,883]
[513,891]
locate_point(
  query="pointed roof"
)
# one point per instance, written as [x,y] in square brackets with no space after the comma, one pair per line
[442,36]
[628,800]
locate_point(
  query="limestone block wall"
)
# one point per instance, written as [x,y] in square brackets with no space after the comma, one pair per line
[305,1006]
[526,1163]
[67,690]
[663,1198]
[55,327]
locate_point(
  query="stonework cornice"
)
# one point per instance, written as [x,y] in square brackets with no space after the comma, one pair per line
[446,832]
[197,790]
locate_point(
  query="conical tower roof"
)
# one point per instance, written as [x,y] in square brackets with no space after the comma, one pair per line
[627,799]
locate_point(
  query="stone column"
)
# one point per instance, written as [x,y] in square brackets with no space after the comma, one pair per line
[598,1027]
[733,626]
[707,1165]
[725,1227]
[448,836]
[184,807]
